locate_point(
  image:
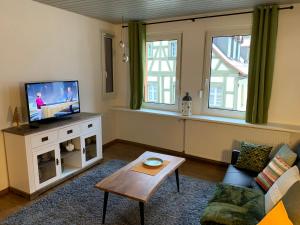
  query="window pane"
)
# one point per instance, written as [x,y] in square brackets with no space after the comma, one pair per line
[109,84]
[152,91]
[160,81]
[229,72]
[167,83]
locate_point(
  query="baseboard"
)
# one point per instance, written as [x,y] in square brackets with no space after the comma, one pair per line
[171,152]
[106,145]
[4,192]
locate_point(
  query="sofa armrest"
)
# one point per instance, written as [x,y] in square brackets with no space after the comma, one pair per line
[234,156]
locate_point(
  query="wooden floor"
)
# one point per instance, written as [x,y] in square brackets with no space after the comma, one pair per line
[11,203]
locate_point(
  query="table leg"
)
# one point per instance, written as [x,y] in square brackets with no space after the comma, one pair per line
[142,212]
[104,206]
[177,179]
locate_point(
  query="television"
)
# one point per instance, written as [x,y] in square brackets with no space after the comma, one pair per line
[50,100]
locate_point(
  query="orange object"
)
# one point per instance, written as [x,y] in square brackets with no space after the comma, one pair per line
[141,168]
[277,216]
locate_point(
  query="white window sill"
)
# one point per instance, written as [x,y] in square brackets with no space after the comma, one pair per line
[214,119]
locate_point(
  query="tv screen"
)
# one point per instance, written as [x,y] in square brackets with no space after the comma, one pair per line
[52,99]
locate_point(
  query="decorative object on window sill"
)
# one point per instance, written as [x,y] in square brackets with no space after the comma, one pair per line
[186,107]
[125,58]
[16,117]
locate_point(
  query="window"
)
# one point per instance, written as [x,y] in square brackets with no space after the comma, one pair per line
[161,86]
[107,64]
[226,80]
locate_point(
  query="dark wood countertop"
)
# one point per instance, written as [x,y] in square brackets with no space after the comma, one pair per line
[26,129]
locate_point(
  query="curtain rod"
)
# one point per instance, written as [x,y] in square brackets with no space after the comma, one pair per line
[205,17]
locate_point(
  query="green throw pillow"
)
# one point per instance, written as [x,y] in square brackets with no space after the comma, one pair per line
[253,157]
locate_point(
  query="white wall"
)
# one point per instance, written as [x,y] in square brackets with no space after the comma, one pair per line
[208,140]
[215,141]
[205,139]
[150,129]
[285,104]
[39,42]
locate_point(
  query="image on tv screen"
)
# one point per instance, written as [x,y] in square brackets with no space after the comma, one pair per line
[53,99]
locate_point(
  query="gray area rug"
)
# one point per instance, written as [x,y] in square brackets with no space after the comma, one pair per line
[80,203]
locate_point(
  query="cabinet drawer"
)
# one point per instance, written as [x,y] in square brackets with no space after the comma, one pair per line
[43,139]
[69,132]
[89,126]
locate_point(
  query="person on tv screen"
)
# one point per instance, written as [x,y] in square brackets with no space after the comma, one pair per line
[39,101]
[69,94]
[70,98]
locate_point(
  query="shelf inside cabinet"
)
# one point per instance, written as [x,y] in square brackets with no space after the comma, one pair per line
[69,169]
[65,154]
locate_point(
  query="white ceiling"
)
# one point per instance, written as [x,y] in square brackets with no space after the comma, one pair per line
[113,10]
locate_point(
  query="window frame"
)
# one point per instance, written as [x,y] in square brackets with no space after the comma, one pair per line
[103,64]
[207,72]
[167,37]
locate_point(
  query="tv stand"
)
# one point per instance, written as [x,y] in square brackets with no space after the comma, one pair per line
[39,157]
[33,126]
[54,119]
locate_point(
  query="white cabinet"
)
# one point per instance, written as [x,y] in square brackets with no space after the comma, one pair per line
[37,158]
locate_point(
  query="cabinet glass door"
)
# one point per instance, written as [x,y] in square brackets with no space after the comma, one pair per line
[46,166]
[90,148]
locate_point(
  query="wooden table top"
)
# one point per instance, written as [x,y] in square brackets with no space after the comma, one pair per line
[135,185]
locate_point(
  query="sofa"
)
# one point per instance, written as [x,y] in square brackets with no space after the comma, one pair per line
[243,178]
[239,200]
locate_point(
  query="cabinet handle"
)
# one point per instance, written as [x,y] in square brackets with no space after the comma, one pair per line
[44,139]
[69,131]
[83,150]
[57,162]
[90,125]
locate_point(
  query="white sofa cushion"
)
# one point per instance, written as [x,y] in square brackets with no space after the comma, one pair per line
[280,187]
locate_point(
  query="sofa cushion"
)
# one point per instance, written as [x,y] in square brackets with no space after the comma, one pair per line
[238,177]
[253,157]
[272,172]
[287,154]
[233,206]
[226,214]
[280,187]
[291,201]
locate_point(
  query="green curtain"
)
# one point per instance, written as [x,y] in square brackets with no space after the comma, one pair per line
[261,65]
[137,62]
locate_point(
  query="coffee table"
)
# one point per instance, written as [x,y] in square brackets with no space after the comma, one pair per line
[138,186]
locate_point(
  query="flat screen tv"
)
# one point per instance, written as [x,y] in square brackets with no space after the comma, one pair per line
[49,100]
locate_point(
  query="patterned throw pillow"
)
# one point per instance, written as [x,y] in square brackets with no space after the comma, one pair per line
[272,172]
[287,154]
[253,157]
